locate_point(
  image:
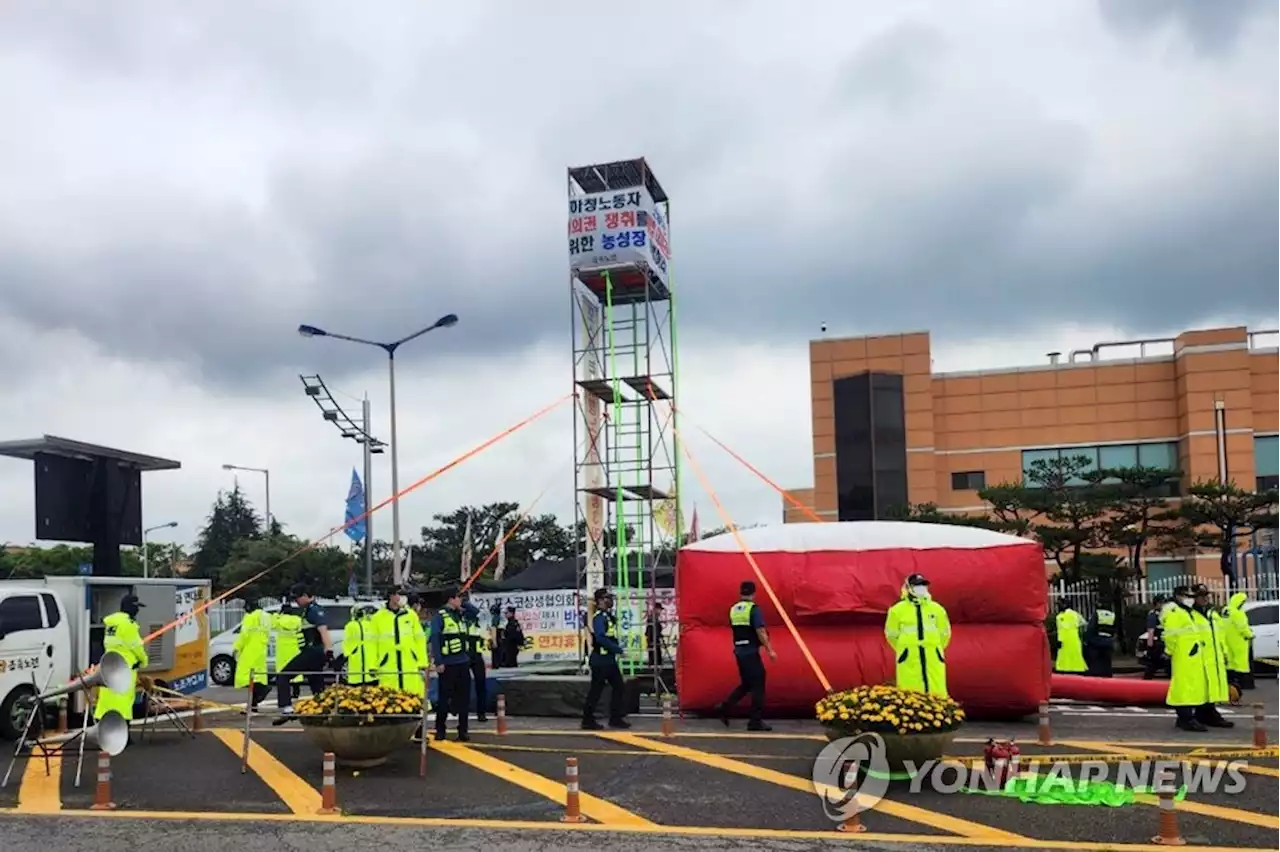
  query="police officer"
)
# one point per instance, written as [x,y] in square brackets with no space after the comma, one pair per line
[316,653]
[360,645]
[1099,640]
[1198,675]
[476,640]
[450,654]
[919,632]
[1239,635]
[606,650]
[1070,657]
[749,636]
[251,652]
[286,625]
[1155,657]
[123,637]
[401,652]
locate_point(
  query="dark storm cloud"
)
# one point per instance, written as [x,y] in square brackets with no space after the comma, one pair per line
[289,170]
[1212,26]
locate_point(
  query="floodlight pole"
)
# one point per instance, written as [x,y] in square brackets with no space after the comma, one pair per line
[368,500]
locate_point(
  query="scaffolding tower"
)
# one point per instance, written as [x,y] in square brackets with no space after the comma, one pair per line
[627,518]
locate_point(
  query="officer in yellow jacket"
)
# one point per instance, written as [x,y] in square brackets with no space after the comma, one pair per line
[1070,658]
[400,657]
[1192,640]
[1239,635]
[251,651]
[361,645]
[286,626]
[919,632]
[123,637]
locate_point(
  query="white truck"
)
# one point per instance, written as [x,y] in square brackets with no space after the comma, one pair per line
[51,630]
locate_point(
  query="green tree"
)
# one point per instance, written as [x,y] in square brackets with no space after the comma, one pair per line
[326,570]
[1075,502]
[929,513]
[34,562]
[539,537]
[1138,510]
[1014,507]
[231,519]
[1217,516]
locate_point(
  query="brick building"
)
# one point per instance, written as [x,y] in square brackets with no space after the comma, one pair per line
[887,430]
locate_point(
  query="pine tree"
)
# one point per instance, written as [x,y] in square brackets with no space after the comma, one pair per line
[231,519]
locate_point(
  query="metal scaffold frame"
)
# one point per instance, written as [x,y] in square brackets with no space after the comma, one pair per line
[626,465]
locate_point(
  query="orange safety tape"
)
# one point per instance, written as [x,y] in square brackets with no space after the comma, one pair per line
[474,451]
[733,529]
[808,510]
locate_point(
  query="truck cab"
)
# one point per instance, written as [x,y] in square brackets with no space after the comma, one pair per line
[35,649]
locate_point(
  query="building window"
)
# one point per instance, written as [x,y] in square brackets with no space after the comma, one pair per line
[968,480]
[1162,455]
[871,445]
[1267,483]
[1266,462]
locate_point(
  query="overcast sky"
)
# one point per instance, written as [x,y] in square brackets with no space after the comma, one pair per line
[184,183]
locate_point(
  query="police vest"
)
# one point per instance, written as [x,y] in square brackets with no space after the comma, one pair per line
[310,632]
[475,635]
[610,630]
[744,635]
[453,636]
[1106,622]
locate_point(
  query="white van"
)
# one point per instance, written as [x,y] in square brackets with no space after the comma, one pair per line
[222,660]
[51,629]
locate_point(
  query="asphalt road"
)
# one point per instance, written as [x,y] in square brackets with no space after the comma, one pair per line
[693,791]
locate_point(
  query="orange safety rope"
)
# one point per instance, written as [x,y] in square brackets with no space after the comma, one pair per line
[474,451]
[737,537]
[808,511]
[524,516]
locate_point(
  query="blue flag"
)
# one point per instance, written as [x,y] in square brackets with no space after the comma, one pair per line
[355,509]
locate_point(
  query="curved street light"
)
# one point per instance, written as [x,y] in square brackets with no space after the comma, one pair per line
[446,321]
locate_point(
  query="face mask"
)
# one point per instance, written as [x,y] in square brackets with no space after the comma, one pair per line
[920,592]
[1186,601]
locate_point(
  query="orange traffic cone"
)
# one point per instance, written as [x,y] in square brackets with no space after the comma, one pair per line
[1043,736]
[1169,834]
[668,723]
[328,788]
[572,807]
[102,796]
[502,714]
[1259,727]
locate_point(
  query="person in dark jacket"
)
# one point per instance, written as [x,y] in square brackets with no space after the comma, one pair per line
[606,651]
[451,657]
[512,640]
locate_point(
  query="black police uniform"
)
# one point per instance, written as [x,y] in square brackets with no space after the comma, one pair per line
[479,676]
[745,619]
[311,658]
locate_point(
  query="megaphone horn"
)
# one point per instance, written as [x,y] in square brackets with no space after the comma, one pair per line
[113,672]
[110,734]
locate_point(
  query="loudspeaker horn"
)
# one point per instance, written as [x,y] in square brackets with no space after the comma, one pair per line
[113,672]
[111,734]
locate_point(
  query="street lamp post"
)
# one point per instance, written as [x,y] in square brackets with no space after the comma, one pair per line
[266,475]
[146,567]
[446,321]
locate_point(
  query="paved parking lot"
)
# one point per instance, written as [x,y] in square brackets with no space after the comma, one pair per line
[705,787]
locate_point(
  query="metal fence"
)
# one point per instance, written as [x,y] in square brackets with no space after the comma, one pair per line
[1083,595]
[224,615]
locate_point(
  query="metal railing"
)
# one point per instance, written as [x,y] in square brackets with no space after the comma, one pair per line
[1083,595]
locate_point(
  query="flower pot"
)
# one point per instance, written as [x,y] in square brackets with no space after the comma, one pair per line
[900,748]
[360,746]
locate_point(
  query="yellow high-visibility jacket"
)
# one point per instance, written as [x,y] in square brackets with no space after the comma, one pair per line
[401,655]
[1238,634]
[251,648]
[124,638]
[919,631]
[1195,648]
[1070,651]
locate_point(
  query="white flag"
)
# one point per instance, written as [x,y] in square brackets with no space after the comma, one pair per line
[464,572]
[407,567]
[502,555]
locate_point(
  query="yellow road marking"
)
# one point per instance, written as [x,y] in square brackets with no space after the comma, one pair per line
[932,819]
[39,793]
[1267,821]
[1207,759]
[297,794]
[908,840]
[591,806]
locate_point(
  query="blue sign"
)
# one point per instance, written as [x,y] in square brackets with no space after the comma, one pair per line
[355,520]
[86,569]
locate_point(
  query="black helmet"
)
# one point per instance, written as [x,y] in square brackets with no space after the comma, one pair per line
[130,604]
